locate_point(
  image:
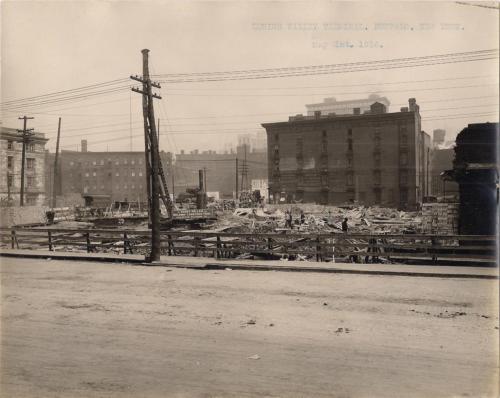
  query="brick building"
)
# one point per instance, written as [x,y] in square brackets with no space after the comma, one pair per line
[371,158]
[109,176]
[220,169]
[10,165]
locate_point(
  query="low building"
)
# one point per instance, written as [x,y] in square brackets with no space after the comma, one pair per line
[11,145]
[221,169]
[375,158]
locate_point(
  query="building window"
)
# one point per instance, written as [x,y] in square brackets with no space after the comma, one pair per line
[402,129]
[30,181]
[10,145]
[31,200]
[377,178]
[125,161]
[376,132]
[117,174]
[71,163]
[140,173]
[94,174]
[350,179]
[133,187]
[140,161]
[403,177]
[403,195]
[276,137]
[349,132]
[10,162]
[94,162]
[124,187]
[102,162]
[117,162]
[349,161]
[403,159]
[404,140]
[376,141]
[132,162]
[30,163]
[10,181]
[378,195]
[30,147]
[133,174]
[323,134]
[349,144]
[86,174]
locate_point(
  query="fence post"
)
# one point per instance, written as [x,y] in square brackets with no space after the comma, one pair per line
[50,240]
[169,239]
[13,238]
[125,243]
[195,246]
[318,249]
[218,252]
[87,235]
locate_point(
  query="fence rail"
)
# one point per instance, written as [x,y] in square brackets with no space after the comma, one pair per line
[316,247]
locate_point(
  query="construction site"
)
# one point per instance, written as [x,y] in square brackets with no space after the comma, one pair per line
[279,199]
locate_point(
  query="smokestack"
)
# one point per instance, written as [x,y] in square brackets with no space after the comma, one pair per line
[412,102]
[201,179]
[84,145]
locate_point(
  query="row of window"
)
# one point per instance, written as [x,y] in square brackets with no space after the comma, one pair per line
[118,187]
[132,174]
[101,162]
[30,147]
[30,163]
[30,181]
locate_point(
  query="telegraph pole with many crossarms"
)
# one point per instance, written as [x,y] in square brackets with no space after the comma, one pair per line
[156,182]
[26,135]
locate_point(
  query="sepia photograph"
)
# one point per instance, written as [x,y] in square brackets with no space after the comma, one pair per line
[214,198]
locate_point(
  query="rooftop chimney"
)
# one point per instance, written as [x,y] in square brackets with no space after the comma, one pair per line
[317,114]
[413,104]
[356,111]
[404,109]
[84,145]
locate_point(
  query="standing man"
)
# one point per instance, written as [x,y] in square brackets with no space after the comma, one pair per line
[345,227]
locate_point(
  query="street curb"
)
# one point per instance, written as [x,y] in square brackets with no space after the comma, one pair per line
[245,267]
[72,258]
[334,270]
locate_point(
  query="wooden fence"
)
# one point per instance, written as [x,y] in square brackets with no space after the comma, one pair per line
[315,247]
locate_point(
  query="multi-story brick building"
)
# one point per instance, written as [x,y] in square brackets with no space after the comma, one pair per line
[11,144]
[109,176]
[371,158]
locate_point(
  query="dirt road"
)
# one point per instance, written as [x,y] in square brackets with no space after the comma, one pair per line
[75,329]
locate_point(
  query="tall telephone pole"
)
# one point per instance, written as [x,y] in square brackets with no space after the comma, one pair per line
[244,172]
[55,184]
[152,154]
[27,133]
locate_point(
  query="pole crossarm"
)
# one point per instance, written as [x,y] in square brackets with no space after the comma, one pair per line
[143,93]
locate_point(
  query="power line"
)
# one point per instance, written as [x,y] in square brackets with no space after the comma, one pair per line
[333,68]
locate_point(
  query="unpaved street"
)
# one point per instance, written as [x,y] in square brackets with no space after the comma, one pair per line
[75,329]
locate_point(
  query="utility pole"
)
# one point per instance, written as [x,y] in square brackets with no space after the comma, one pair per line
[152,154]
[55,184]
[244,172]
[27,133]
[427,174]
[158,134]
[237,171]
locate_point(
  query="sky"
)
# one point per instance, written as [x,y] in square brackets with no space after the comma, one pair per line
[50,46]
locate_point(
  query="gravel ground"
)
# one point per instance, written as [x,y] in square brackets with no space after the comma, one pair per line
[82,329]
